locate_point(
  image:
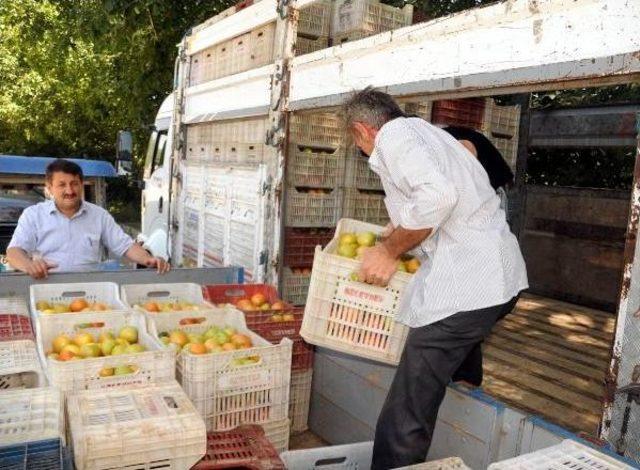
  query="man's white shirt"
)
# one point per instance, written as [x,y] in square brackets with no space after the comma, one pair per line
[473,261]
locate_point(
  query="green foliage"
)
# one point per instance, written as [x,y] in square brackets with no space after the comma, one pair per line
[74,72]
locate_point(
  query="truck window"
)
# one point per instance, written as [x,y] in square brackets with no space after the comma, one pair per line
[151,148]
[159,157]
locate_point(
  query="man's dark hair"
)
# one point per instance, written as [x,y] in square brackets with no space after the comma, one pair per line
[372,107]
[64,166]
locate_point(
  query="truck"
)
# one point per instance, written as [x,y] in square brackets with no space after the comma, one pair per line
[257,92]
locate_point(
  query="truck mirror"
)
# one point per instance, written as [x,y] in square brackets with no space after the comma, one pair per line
[124,151]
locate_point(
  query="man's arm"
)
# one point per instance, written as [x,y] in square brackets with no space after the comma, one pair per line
[20,260]
[380,262]
[139,255]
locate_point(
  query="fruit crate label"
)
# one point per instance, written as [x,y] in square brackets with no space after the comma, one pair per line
[258,378]
[357,294]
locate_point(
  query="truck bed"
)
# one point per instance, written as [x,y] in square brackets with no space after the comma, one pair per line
[549,358]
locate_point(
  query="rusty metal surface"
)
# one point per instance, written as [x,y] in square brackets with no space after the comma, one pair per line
[621,418]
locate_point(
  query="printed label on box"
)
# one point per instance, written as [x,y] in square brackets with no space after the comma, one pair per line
[358,294]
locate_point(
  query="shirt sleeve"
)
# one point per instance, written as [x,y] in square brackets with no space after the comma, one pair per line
[113,237]
[428,197]
[24,236]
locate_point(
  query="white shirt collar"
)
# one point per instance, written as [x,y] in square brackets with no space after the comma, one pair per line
[52,208]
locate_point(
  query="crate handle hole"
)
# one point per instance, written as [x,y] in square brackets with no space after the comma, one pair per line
[79,293]
[159,293]
[171,402]
[83,326]
[331,461]
[192,321]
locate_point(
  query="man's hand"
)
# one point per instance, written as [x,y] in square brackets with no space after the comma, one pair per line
[39,268]
[388,230]
[161,264]
[378,265]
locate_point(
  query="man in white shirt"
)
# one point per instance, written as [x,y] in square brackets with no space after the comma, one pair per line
[439,199]
[68,233]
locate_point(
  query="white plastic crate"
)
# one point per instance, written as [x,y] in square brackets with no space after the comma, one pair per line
[151,427]
[104,292]
[315,20]
[352,36]
[368,16]
[295,286]
[278,433]
[262,46]
[419,108]
[307,46]
[355,456]
[306,209]
[136,295]
[568,455]
[324,130]
[153,365]
[350,316]
[300,398]
[315,168]
[20,366]
[15,305]
[358,174]
[365,205]
[500,121]
[225,394]
[31,415]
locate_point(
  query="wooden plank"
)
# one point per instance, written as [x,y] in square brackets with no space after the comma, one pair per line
[541,368]
[552,356]
[583,319]
[531,402]
[551,391]
[555,319]
[564,306]
[560,336]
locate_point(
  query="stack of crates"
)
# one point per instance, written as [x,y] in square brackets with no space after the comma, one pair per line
[357,19]
[314,27]
[499,123]
[315,174]
[274,325]
[31,429]
[19,363]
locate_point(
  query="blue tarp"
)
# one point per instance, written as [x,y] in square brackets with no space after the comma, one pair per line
[12,164]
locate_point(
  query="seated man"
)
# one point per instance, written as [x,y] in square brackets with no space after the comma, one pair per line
[67,232]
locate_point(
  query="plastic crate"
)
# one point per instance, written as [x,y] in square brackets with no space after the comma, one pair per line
[569,455]
[19,365]
[300,245]
[466,112]
[148,427]
[307,46]
[31,429]
[359,175]
[305,208]
[136,295]
[352,36]
[104,292]
[368,16]
[295,285]
[350,316]
[421,109]
[315,168]
[15,327]
[228,395]
[300,397]
[243,447]
[354,456]
[154,365]
[315,20]
[366,206]
[501,121]
[324,130]
[262,46]
[15,305]
[508,148]
[222,294]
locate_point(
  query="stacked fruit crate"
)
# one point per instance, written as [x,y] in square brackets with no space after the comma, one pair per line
[499,123]
[357,19]
[19,364]
[314,27]
[315,172]
[274,320]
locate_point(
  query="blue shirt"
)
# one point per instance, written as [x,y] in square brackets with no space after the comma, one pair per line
[69,242]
